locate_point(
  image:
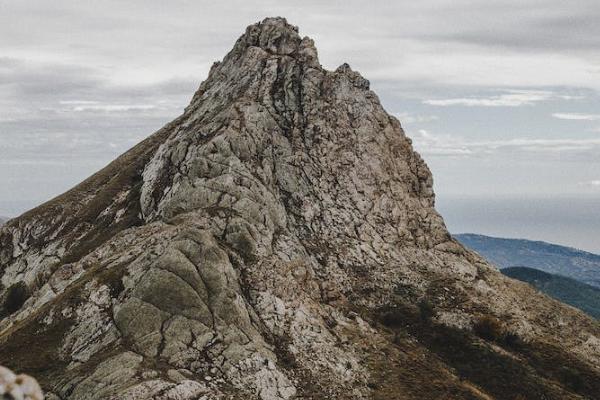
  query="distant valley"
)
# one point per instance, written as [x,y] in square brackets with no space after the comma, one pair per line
[551,258]
[569,275]
[567,290]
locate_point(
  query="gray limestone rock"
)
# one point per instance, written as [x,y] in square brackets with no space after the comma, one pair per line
[271,243]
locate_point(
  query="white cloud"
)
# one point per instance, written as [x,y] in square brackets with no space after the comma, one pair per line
[447,145]
[510,98]
[77,102]
[432,49]
[114,107]
[440,145]
[594,183]
[577,116]
[408,118]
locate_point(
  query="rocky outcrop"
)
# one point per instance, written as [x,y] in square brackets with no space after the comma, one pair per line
[18,387]
[278,240]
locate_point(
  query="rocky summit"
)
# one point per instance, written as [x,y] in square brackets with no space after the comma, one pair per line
[276,241]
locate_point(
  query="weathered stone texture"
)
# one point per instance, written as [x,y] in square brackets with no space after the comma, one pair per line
[239,252]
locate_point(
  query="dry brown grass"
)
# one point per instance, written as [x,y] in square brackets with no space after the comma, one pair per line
[530,370]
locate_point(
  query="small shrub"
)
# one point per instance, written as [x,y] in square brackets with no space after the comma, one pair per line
[572,378]
[16,296]
[282,349]
[393,318]
[511,339]
[489,328]
[426,310]
[372,385]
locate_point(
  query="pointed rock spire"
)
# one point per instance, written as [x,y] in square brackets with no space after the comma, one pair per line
[272,243]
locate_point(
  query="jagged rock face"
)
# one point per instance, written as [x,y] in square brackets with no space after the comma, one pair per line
[270,243]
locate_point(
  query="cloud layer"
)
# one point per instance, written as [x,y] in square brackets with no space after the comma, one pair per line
[471,81]
[440,145]
[510,98]
[577,116]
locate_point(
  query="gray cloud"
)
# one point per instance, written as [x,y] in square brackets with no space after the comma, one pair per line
[577,116]
[408,118]
[80,82]
[544,26]
[511,98]
[594,183]
[447,145]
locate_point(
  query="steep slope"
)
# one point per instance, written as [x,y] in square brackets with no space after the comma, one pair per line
[567,290]
[278,240]
[547,257]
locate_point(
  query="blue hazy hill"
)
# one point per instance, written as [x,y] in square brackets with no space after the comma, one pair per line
[551,258]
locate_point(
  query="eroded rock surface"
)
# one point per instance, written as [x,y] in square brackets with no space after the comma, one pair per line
[274,242]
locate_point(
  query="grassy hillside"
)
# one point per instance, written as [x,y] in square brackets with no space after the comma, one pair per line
[567,290]
[547,257]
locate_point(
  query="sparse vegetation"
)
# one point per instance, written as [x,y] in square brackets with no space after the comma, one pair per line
[572,378]
[426,310]
[16,296]
[511,339]
[538,372]
[394,317]
[489,328]
[284,355]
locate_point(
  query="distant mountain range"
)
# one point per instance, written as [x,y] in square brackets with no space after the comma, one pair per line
[567,290]
[551,258]
[569,275]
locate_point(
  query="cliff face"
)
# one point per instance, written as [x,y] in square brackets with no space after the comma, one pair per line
[273,242]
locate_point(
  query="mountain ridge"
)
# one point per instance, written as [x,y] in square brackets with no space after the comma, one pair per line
[552,258]
[568,290]
[278,240]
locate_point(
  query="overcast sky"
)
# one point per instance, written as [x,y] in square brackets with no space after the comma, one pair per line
[501,99]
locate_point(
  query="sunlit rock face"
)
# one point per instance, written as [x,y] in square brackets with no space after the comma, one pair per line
[273,242]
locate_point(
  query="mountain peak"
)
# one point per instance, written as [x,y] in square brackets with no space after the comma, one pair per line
[274,35]
[278,38]
[271,243]
[270,48]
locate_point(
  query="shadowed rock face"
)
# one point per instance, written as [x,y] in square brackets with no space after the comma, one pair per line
[270,243]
